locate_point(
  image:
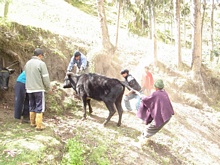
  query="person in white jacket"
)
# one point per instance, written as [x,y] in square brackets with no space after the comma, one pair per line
[80,60]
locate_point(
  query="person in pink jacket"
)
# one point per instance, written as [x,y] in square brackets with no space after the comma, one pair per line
[155,110]
[147,81]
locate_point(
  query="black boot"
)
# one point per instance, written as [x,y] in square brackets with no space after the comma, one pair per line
[25,119]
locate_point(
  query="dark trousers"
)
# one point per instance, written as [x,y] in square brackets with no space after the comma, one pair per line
[36,102]
[152,129]
[21,105]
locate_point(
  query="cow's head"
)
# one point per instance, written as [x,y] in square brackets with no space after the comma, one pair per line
[70,81]
[4,78]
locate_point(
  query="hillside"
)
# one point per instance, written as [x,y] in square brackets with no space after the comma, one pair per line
[191,137]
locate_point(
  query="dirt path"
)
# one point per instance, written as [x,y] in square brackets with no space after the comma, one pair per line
[191,137]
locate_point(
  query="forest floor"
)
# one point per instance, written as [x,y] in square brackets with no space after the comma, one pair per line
[191,137]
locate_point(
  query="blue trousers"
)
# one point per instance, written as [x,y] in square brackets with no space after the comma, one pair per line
[21,104]
[128,98]
[36,102]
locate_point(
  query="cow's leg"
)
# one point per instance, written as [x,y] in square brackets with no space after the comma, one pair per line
[84,107]
[120,111]
[112,111]
[90,107]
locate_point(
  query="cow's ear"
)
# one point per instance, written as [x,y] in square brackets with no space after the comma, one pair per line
[11,71]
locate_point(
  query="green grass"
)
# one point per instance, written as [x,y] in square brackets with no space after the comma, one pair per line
[22,157]
[85,6]
[21,144]
[99,155]
[90,153]
[97,150]
[74,153]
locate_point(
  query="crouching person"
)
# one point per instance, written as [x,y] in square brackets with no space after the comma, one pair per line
[37,82]
[155,110]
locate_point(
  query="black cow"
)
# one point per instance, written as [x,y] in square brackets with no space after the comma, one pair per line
[100,88]
[4,77]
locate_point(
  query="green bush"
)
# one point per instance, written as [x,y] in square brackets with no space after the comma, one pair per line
[74,155]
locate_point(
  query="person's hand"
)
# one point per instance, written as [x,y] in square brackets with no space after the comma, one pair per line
[82,68]
[68,72]
[50,92]
[78,71]
[142,97]
[52,89]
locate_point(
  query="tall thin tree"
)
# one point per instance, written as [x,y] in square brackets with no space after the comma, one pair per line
[149,20]
[154,32]
[118,21]
[212,30]
[107,45]
[177,35]
[203,14]
[6,8]
[197,40]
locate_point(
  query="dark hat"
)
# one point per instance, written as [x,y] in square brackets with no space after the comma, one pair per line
[38,51]
[77,53]
[124,71]
[159,84]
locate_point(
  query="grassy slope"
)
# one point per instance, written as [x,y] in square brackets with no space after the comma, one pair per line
[191,137]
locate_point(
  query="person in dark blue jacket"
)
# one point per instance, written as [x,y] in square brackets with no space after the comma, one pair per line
[21,104]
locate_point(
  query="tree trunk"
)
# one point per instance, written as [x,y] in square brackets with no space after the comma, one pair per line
[184,31]
[212,31]
[177,35]
[154,31]
[196,43]
[203,14]
[118,21]
[105,35]
[150,21]
[6,7]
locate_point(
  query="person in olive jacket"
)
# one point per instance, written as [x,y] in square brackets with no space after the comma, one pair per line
[37,82]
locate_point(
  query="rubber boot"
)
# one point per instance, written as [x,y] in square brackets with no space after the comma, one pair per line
[32,119]
[39,120]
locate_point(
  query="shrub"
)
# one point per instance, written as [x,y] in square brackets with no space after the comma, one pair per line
[74,155]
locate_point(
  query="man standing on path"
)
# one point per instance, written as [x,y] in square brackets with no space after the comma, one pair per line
[37,81]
